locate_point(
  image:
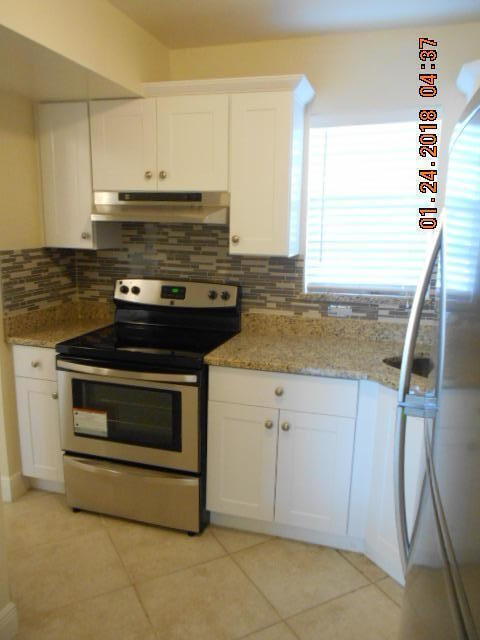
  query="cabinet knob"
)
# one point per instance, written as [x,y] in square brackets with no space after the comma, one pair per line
[279,391]
[148,175]
[235,239]
[268,424]
[162,175]
[85,235]
[35,363]
[55,395]
[285,426]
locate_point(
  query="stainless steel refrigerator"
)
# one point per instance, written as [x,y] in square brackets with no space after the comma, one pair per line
[441,556]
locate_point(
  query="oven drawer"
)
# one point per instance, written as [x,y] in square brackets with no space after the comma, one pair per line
[166,499]
[293,392]
[34,362]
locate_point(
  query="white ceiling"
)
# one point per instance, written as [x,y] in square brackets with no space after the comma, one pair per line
[194,23]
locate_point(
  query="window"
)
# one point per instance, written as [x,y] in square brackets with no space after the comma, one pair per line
[362,230]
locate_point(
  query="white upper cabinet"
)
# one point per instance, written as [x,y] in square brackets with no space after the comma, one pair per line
[192,143]
[124,145]
[266,155]
[64,142]
[172,143]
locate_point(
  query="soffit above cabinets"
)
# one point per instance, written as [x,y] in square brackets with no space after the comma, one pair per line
[36,72]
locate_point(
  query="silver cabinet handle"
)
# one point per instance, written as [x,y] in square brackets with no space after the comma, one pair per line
[235,239]
[55,395]
[162,175]
[35,363]
[268,424]
[285,426]
[85,235]
[148,175]
[402,410]
[279,391]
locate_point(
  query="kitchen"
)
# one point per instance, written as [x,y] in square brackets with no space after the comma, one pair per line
[109,100]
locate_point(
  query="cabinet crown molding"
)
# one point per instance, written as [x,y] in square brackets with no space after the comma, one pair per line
[296,83]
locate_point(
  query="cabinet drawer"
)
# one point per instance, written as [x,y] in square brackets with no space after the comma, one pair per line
[34,362]
[330,396]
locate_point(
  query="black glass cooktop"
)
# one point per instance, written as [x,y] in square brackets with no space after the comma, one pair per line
[172,347]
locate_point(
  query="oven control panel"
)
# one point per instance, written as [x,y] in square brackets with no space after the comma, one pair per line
[163,293]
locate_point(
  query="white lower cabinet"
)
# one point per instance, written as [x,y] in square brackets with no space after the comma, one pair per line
[278,465]
[242,451]
[381,543]
[314,469]
[39,429]
[315,462]
[38,415]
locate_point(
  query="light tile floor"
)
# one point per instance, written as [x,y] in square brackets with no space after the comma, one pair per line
[77,575]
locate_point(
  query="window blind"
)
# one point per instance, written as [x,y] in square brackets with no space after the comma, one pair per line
[362,230]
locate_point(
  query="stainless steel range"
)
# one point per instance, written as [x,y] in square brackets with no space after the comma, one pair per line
[133,402]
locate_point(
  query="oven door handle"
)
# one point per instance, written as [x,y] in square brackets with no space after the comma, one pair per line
[65,365]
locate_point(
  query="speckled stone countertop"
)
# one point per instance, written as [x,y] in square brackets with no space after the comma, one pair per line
[48,327]
[338,348]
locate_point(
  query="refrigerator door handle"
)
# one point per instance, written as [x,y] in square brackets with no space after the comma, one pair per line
[410,404]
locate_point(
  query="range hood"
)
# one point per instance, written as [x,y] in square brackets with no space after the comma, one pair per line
[199,207]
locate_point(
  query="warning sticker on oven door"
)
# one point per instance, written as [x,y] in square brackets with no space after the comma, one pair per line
[90,422]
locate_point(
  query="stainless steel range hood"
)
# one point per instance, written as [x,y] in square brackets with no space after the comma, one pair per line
[200,207]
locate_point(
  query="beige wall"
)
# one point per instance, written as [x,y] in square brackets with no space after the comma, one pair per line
[4,593]
[357,76]
[20,219]
[92,33]
[20,228]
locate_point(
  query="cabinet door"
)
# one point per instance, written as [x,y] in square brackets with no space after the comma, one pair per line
[39,427]
[242,446]
[314,470]
[123,145]
[260,170]
[381,533]
[64,141]
[192,143]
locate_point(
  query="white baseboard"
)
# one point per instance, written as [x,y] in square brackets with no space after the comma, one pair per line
[347,543]
[13,487]
[47,485]
[8,622]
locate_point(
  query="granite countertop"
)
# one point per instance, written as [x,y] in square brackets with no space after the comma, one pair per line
[319,353]
[337,348]
[48,327]
[51,336]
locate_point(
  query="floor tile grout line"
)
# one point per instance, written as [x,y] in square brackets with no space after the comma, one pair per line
[58,541]
[171,573]
[290,628]
[320,604]
[257,588]
[339,551]
[255,544]
[269,626]
[387,595]
[132,583]
[77,600]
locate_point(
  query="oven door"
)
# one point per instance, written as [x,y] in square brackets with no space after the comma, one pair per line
[149,418]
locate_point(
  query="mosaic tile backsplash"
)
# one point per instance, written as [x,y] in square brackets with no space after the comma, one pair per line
[37,278]
[42,277]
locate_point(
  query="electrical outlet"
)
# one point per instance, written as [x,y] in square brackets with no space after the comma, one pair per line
[339,310]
